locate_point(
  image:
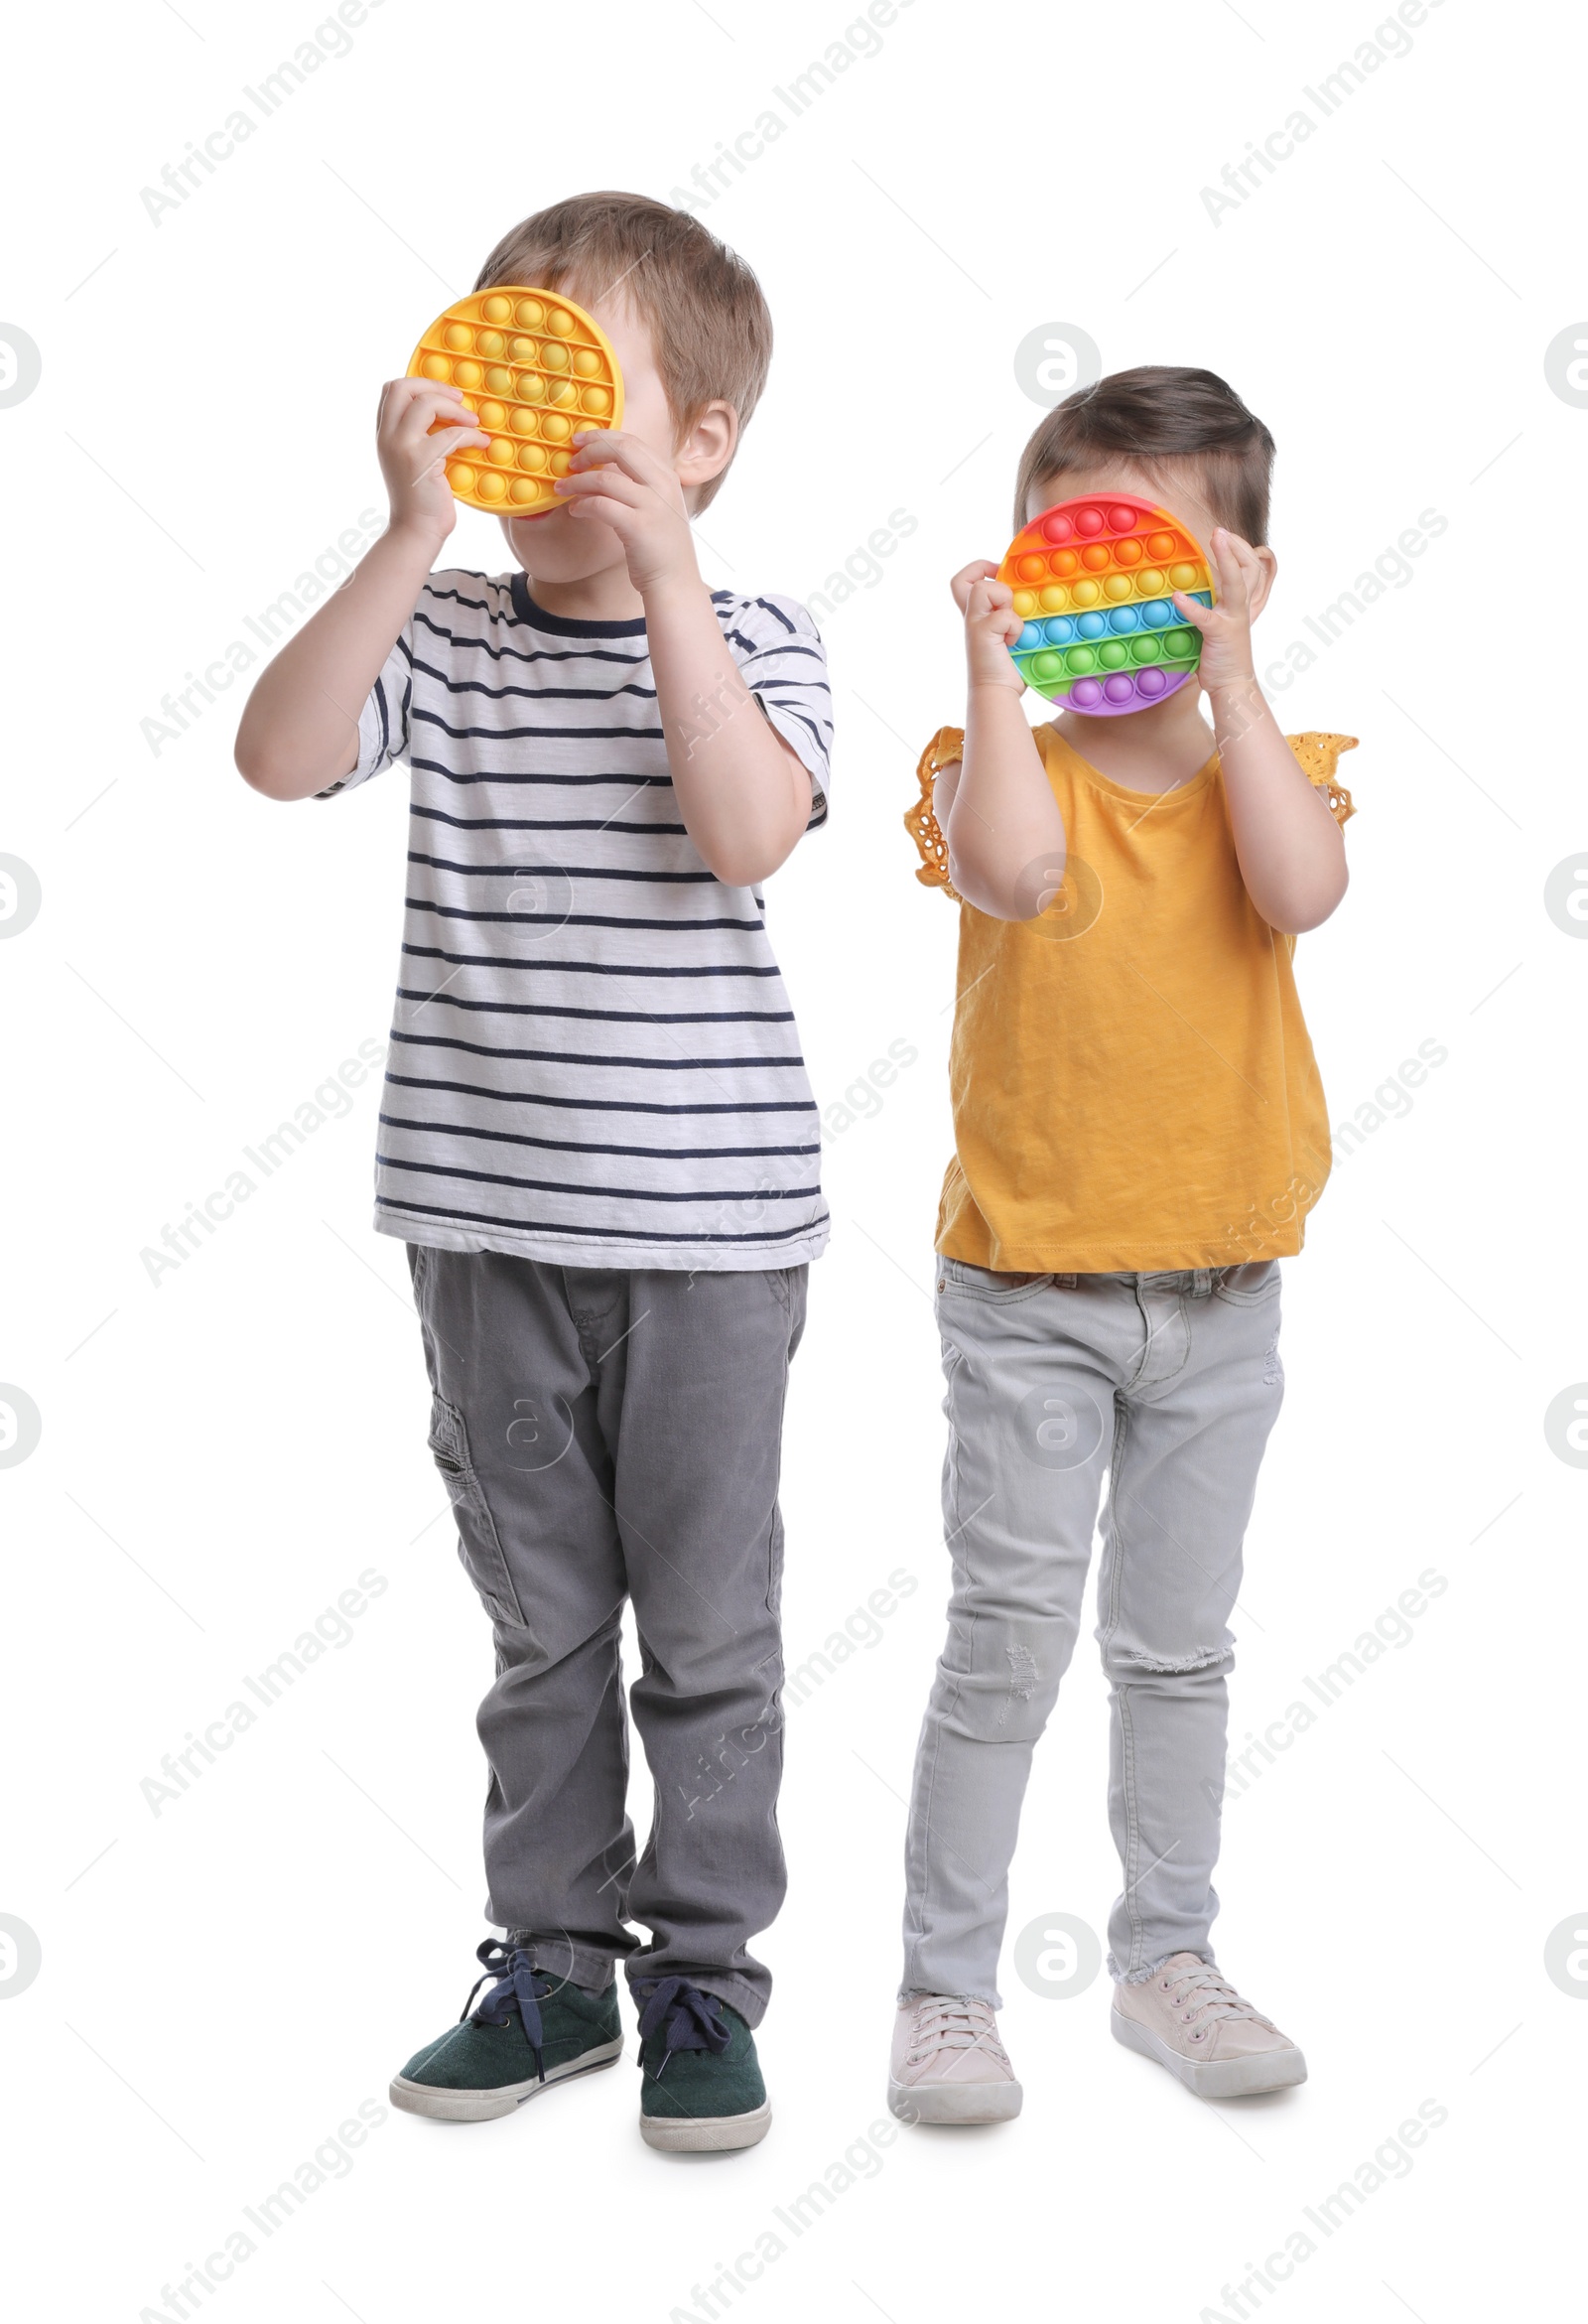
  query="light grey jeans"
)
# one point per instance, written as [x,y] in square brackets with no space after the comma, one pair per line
[1170,1383]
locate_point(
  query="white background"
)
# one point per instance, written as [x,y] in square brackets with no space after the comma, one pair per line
[222,1454]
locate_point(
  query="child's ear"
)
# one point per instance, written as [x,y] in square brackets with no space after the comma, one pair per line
[1263,581]
[707,445]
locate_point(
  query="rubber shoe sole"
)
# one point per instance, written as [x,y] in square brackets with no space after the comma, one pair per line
[954,2101]
[484,2105]
[706,2134]
[1246,2077]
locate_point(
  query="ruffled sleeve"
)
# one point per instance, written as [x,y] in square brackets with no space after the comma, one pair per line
[1318,756]
[920,821]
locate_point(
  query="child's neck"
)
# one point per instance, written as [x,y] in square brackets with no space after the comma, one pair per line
[1153,750]
[608,595]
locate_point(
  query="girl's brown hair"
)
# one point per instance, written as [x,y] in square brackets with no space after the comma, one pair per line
[1158,416]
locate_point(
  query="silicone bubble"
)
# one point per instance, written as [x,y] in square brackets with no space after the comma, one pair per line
[1110,593]
[534,366]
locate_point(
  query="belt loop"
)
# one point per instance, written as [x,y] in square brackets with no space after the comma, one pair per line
[1202,1282]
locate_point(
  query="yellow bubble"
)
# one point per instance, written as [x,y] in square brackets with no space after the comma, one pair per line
[1183,576]
[530,388]
[523,489]
[1025,600]
[522,351]
[459,338]
[459,475]
[564,392]
[497,308]
[556,429]
[560,322]
[1055,596]
[530,313]
[562,461]
[499,379]
[554,357]
[597,400]
[1118,586]
[587,362]
[532,455]
[436,367]
[489,343]
[491,486]
[1087,593]
[466,374]
[494,415]
[522,420]
[502,450]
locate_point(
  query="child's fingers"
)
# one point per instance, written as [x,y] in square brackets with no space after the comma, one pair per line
[409,424]
[614,447]
[446,448]
[399,396]
[589,506]
[610,483]
[991,601]
[963,582]
[1201,617]
[1234,562]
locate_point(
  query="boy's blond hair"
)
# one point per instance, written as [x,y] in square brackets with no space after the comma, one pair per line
[708,319]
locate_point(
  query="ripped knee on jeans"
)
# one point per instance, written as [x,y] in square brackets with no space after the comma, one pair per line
[1131,1662]
[1022,1678]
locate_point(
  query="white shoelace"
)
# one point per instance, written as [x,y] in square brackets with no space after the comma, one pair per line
[1201,1993]
[945,2022]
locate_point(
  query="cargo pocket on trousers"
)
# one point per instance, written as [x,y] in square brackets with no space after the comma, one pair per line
[479,1544]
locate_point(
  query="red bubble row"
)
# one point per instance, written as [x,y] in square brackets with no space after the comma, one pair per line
[1089,521]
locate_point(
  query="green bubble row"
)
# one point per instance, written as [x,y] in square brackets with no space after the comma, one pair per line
[1176,648]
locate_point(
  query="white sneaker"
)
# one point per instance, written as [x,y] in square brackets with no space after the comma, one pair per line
[949,2065]
[1191,2019]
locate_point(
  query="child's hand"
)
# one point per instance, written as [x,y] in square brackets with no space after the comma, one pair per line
[991,625]
[616,480]
[413,462]
[1225,626]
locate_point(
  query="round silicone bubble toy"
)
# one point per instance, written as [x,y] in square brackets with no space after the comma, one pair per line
[531,367]
[1092,579]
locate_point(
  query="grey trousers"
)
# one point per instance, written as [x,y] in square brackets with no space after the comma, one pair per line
[1170,1383]
[607,1433]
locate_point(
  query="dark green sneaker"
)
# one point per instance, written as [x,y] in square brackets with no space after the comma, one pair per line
[702,2090]
[530,2030]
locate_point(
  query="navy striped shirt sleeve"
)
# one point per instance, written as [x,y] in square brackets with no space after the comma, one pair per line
[781,659]
[383,722]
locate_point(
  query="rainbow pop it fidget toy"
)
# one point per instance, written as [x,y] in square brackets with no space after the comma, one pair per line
[531,368]
[1092,580]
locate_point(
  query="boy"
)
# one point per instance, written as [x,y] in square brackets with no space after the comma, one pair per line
[1139,1131]
[598,1142]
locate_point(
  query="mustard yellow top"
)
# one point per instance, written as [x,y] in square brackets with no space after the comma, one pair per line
[1132,1078]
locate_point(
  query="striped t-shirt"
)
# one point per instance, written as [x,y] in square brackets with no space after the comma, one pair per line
[592,1057]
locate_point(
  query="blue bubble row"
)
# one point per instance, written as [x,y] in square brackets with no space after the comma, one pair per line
[1118,621]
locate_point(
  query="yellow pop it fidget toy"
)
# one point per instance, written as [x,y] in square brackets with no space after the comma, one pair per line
[532,367]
